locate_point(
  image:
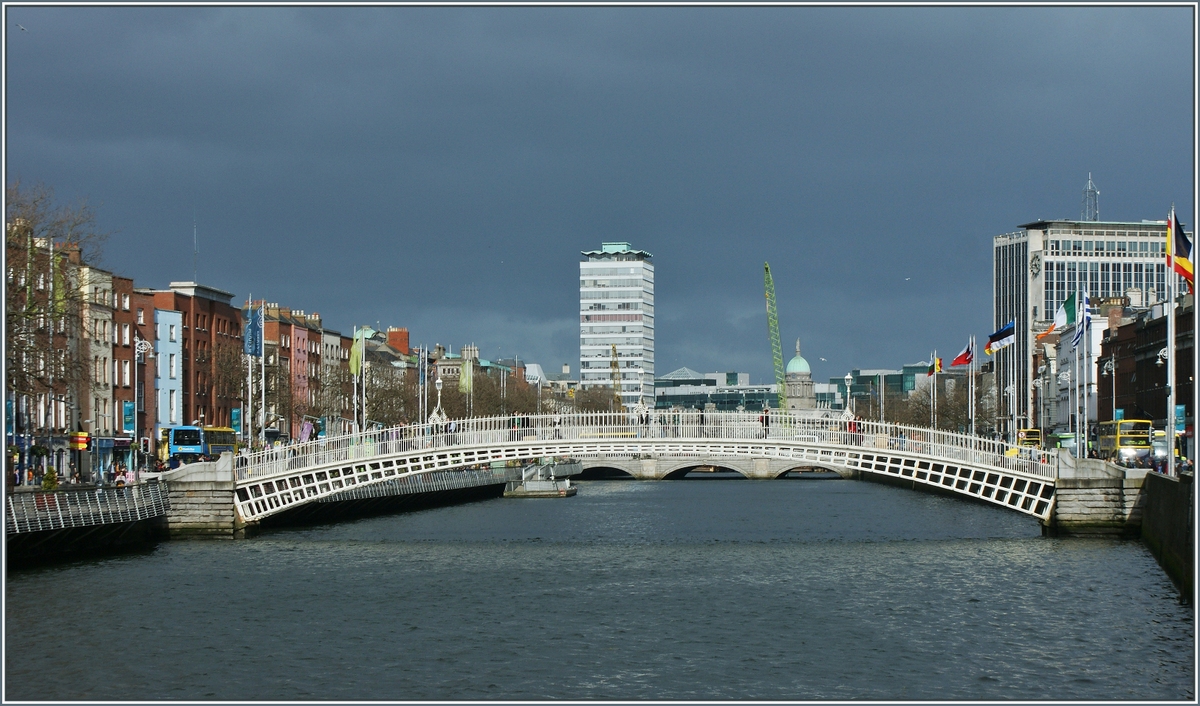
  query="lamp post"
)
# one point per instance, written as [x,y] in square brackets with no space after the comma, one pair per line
[141,347]
[1011,392]
[849,406]
[1110,368]
[1039,385]
[1064,378]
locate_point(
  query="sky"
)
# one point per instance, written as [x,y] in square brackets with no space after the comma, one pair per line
[442,168]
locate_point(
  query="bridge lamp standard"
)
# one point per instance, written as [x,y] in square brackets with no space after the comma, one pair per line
[1039,385]
[1110,368]
[1064,378]
[849,401]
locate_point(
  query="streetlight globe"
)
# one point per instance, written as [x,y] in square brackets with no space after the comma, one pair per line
[438,384]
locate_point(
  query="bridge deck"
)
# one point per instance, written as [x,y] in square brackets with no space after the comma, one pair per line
[1022,479]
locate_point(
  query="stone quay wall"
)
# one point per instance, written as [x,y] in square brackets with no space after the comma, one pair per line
[1168,522]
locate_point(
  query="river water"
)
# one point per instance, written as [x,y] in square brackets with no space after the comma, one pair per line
[689,590]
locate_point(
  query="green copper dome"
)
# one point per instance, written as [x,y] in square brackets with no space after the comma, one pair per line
[798,364]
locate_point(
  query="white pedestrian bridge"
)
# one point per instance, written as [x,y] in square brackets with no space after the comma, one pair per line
[656,445]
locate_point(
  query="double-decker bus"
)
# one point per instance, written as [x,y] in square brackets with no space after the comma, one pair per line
[1126,442]
[1029,437]
[188,444]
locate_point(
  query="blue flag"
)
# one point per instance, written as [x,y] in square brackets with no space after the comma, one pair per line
[252,337]
[1084,321]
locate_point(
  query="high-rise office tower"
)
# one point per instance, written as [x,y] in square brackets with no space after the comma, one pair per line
[616,307]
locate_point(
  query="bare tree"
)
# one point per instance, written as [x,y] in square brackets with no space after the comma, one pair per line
[45,244]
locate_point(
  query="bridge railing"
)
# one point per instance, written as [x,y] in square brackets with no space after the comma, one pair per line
[37,511]
[684,426]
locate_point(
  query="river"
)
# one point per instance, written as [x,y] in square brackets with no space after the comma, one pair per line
[682,590]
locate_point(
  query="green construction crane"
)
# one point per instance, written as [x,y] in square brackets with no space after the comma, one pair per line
[773,326]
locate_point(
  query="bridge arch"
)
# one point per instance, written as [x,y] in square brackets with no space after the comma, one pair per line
[1023,480]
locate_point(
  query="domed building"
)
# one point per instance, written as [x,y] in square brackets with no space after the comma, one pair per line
[799,384]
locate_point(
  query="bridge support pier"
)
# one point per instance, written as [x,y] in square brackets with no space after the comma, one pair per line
[1095,498]
[202,501]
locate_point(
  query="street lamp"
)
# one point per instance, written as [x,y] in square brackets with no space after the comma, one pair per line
[1110,367]
[849,401]
[1039,385]
[141,347]
[1011,392]
[1162,357]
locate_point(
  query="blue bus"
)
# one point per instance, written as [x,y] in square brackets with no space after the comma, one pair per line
[188,444]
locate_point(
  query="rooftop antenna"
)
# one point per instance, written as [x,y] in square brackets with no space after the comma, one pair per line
[195,246]
[1091,202]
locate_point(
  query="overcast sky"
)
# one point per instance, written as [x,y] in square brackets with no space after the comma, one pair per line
[442,168]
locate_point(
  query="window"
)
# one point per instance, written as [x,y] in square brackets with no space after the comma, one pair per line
[171,333]
[125,373]
[171,408]
[125,334]
[141,316]
[171,365]
[125,302]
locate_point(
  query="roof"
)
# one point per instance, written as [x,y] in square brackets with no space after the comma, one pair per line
[616,251]
[798,365]
[682,374]
[1088,224]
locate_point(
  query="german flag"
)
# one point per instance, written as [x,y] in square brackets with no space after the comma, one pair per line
[1179,251]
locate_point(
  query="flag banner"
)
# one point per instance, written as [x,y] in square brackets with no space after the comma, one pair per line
[1003,338]
[1064,317]
[965,358]
[421,366]
[235,419]
[466,377]
[1179,251]
[1086,321]
[306,430]
[935,365]
[252,336]
[127,416]
[356,352]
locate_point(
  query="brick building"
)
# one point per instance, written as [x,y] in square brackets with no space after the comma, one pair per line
[211,350]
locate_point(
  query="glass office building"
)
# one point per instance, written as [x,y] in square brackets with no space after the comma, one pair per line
[616,307]
[1037,267]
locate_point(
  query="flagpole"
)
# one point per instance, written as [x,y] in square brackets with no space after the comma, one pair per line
[933,407]
[248,413]
[354,379]
[1074,378]
[1172,278]
[971,386]
[262,363]
[1087,369]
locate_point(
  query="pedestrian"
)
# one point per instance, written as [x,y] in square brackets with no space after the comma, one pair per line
[120,478]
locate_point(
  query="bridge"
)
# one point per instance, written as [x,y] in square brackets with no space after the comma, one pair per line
[654,445]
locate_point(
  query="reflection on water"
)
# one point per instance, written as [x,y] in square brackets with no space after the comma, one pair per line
[630,590]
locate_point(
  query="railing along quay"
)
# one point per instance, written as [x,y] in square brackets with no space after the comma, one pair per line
[85,507]
[630,429]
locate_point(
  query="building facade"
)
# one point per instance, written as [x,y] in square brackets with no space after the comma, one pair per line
[616,308]
[168,369]
[1035,270]
[211,349]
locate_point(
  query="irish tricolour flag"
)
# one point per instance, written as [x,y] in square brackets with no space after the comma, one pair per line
[1065,316]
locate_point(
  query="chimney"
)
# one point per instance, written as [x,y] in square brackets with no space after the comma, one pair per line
[398,338]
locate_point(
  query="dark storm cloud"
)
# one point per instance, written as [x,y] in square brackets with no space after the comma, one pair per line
[441,168]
